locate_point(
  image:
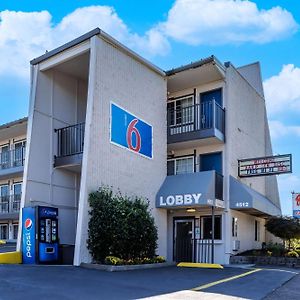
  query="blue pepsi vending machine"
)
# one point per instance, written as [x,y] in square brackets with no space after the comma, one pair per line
[40,235]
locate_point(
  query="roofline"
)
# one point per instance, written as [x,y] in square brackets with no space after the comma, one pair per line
[66,46]
[13,123]
[196,64]
[105,36]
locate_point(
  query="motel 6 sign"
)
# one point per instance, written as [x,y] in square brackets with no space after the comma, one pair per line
[130,132]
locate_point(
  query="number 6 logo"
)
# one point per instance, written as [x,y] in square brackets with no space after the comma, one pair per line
[130,131]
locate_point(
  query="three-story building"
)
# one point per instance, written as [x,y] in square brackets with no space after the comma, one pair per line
[101,114]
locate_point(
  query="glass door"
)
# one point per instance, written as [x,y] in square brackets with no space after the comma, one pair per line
[19,153]
[3,231]
[4,157]
[184,240]
[17,197]
[4,199]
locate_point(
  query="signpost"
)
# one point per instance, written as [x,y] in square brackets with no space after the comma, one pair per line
[265,166]
[296,205]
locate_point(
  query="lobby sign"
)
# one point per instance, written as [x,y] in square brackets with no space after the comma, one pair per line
[296,205]
[264,166]
[130,132]
[179,200]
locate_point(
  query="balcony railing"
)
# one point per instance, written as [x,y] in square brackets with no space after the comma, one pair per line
[12,158]
[10,204]
[196,118]
[70,140]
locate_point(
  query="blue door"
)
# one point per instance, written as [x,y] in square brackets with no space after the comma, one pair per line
[208,100]
[212,161]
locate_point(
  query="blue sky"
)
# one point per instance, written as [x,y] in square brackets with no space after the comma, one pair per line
[169,33]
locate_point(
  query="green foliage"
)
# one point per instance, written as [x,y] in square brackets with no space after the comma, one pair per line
[292,254]
[120,226]
[275,249]
[286,228]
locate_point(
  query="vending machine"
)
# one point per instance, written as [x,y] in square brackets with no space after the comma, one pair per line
[40,235]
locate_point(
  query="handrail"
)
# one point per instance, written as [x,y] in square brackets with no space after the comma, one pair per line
[12,158]
[70,140]
[10,204]
[196,117]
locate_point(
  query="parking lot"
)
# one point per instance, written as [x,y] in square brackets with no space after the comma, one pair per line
[68,282]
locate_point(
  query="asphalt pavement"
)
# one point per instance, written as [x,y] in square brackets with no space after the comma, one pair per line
[68,282]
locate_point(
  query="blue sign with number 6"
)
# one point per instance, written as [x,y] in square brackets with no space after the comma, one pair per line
[130,132]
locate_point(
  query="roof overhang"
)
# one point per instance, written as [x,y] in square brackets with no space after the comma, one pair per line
[201,72]
[245,199]
[13,129]
[81,45]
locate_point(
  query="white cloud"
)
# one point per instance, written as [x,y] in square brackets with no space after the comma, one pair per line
[278,129]
[287,184]
[282,91]
[24,36]
[225,21]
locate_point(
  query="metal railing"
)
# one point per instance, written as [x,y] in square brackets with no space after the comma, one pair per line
[197,117]
[70,140]
[193,250]
[12,158]
[10,204]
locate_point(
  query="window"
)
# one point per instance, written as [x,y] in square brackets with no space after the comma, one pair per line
[19,153]
[211,161]
[4,198]
[181,165]
[234,227]
[257,231]
[4,157]
[3,231]
[181,111]
[15,231]
[207,227]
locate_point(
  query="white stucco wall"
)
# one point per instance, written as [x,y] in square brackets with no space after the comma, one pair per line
[117,77]
[57,100]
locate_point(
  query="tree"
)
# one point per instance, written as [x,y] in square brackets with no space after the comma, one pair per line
[286,228]
[120,226]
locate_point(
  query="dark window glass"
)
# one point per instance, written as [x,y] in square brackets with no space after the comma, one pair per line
[171,167]
[212,161]
[171,113]
[207,227]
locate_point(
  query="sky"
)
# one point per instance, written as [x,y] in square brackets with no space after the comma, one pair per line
[169,33]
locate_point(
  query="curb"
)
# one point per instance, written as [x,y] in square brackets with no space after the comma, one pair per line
[110,268]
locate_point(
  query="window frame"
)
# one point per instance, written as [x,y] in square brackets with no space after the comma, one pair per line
[257,231]
[234,227]
[202,218]
[178,99]
[175,159]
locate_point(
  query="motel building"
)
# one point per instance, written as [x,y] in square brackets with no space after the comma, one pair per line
[102,115]
[12,157]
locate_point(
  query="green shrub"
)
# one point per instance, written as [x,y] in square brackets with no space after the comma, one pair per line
[292,254]
[120,226]
[276,249]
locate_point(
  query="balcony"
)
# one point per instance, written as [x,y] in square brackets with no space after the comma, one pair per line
[12,162]
[196,122]
[70,141]
[10,206]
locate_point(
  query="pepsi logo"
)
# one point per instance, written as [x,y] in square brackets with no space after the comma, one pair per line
[28,224]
